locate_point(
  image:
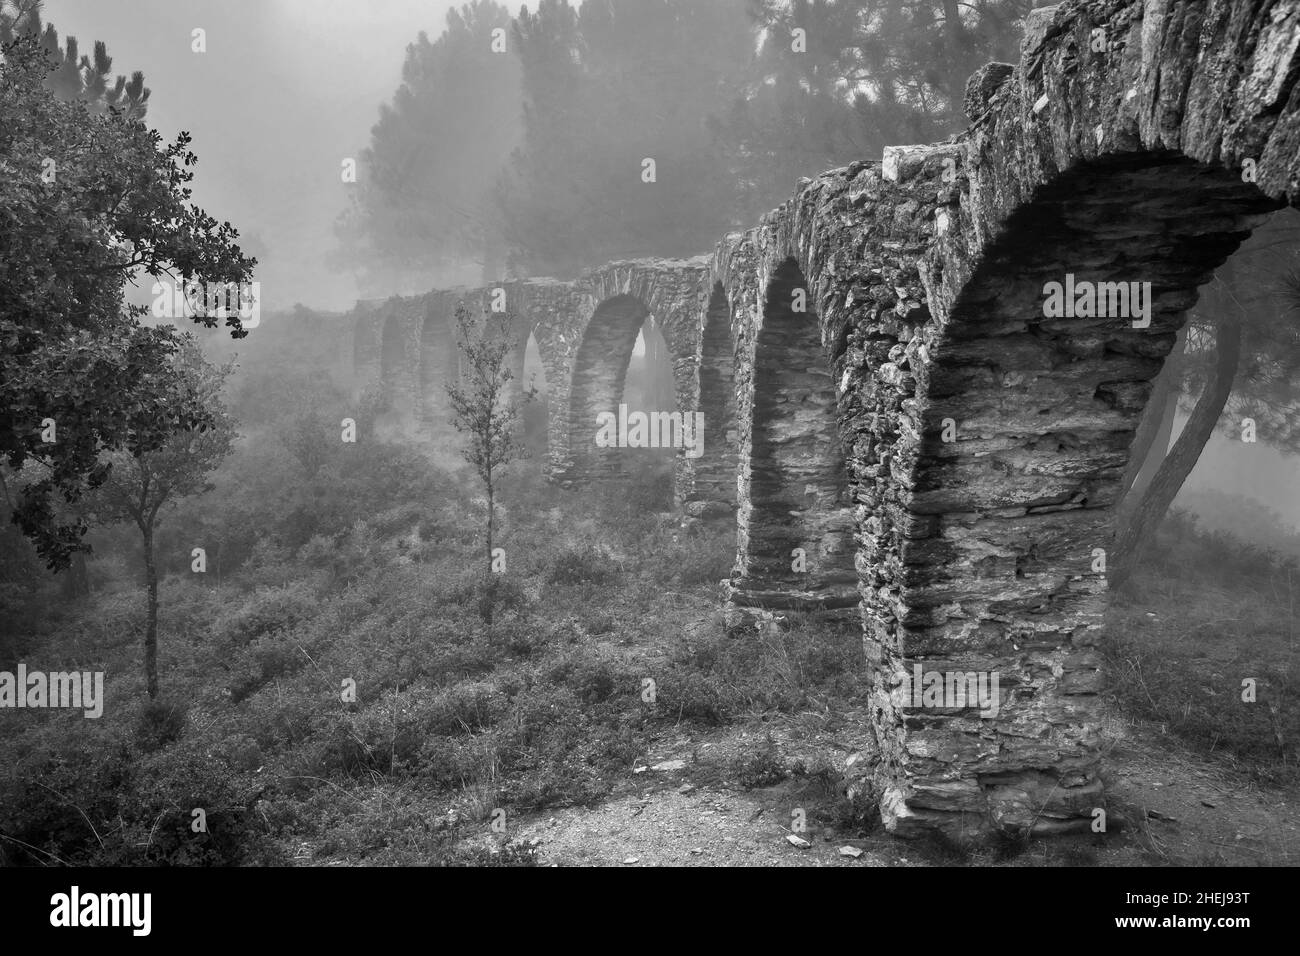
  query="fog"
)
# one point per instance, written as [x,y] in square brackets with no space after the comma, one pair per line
[286,90]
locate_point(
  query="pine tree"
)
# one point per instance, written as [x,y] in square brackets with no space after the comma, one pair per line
[421,212]
[74,77]
[618,159]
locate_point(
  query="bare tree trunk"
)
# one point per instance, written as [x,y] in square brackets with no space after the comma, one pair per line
[1182,458]
[76,582]
[491,595]
[1163,431]
[151,627]
[1151,443]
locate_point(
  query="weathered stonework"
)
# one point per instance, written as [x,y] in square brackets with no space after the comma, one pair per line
[945,455]
[585,331]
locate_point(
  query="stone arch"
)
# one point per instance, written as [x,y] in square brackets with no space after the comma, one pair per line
[596,383]
[795,521]
[1008,492]
[714,487]
[673,291]
[1124,165]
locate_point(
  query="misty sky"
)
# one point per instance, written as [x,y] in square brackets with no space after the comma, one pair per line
[286,90]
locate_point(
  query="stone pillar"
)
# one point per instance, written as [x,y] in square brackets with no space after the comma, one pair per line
[394,356]
[438,351]
[366,345]
[713,490]
[796,522]
[686,393]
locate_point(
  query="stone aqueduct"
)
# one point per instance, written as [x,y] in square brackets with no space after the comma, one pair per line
[1134,142]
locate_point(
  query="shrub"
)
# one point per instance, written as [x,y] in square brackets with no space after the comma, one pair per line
[392,736]
[99,805]
[759,768]
[691,695]
[161,722]
[463,708]
[160,816]
[593,677]
[589,565]
[269,611]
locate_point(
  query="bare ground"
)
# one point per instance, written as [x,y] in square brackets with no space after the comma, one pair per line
[1168,807]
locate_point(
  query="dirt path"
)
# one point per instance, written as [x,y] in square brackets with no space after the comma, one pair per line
[683,807]
[1198,810]
[703,827]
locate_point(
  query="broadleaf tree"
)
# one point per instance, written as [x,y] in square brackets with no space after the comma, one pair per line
[90,202]
[143,479]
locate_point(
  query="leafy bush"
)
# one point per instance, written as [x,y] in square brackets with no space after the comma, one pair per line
[582,565]
[269,611]
[759,768]
[96,805]
[161,722]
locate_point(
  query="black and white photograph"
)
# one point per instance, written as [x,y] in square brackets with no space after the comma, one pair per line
[644,434]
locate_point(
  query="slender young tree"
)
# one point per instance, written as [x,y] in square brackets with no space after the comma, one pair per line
[141,482]
[486,408]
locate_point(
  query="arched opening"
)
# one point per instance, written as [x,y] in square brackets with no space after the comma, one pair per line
[1043,407]
[599,374]
[1247,465]
[1209,587]
[392,362]
[650,391]
[438,362]
[1032,400]
[535,415]
[796,529]
[715,472]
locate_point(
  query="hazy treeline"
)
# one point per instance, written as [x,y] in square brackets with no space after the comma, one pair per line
[519,144]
